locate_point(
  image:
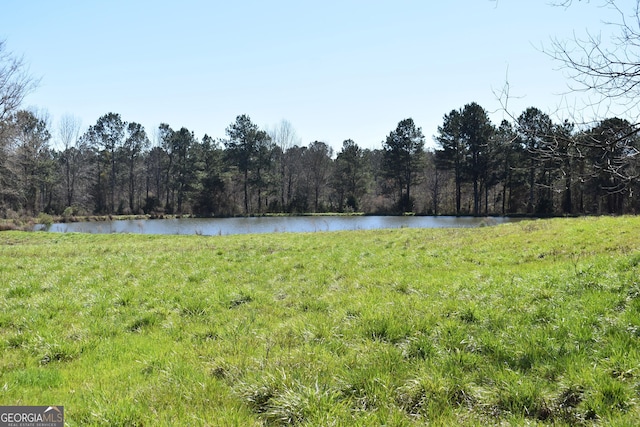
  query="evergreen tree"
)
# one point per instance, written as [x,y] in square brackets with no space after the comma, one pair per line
[33,159]
[612,145]
[453,151]
[317,162]
[106,138]
[245,150]
[183,167]
[403,156]
[535,133]
[349,175]
[209,199]
[135,143]
[476,131]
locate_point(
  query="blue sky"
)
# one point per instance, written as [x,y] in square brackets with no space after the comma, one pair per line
[334,69]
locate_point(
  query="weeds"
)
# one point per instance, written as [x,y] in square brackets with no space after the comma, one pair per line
[237,299]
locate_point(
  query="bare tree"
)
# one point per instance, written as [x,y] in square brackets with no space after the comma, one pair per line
[284,137]
[606,67]
[15,82]
[609,69]
[71,156]
[69,130]
[32,155]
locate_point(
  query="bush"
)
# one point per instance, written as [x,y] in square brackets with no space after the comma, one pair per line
[44,219]
[67,213]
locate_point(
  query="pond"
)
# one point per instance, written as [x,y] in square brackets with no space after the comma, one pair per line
[283,224]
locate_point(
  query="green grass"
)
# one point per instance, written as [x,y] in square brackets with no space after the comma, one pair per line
[536,322]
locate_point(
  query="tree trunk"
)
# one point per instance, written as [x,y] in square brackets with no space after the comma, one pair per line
[458,194]
[408,206]
[246,191]
[435,193]
[530,205]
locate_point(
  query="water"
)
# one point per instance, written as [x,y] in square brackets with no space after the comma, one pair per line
[227,226]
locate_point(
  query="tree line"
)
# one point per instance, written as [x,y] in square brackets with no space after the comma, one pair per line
[529,165]
[526,165]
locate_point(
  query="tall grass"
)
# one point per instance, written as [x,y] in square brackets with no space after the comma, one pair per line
[536,322]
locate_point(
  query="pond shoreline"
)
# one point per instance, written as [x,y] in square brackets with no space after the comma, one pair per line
[104,218]
[268,224]
[45,220]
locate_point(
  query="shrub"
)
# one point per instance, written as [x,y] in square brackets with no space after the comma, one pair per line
[44,219]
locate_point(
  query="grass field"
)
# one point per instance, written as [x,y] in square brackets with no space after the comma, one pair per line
[536,322]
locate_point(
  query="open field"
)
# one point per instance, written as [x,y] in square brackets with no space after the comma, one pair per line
[536,322]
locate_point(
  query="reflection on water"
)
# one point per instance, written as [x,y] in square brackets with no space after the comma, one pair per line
[297,224]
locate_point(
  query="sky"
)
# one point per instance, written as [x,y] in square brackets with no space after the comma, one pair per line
[335,70]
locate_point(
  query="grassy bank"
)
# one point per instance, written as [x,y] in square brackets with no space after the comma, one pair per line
[532,322]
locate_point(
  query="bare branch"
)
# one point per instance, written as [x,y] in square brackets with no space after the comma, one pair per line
[15,82]
[69,130]
[609,69]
